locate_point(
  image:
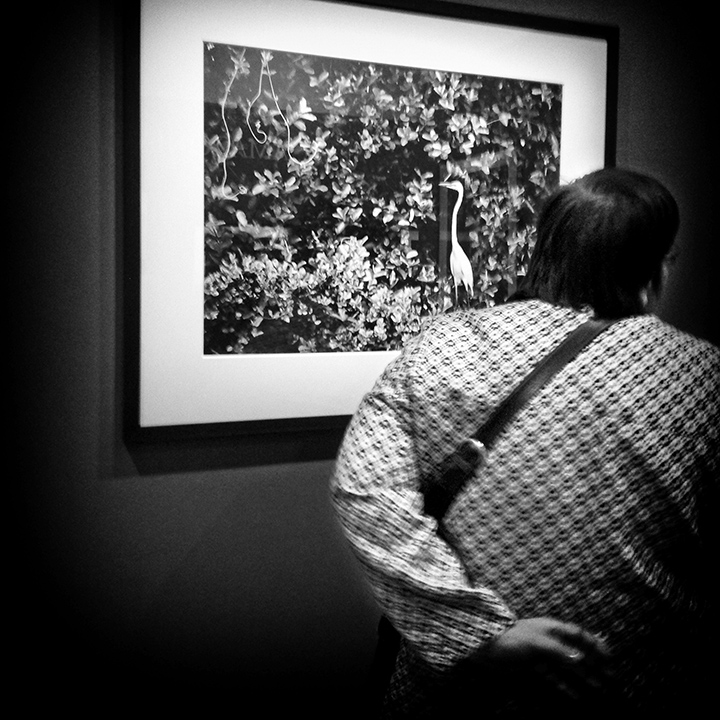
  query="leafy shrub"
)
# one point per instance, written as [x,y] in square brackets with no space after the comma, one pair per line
[324,226]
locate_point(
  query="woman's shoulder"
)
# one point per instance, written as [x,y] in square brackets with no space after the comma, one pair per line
[648,357]
[512,317]
[506,337]
[653,332]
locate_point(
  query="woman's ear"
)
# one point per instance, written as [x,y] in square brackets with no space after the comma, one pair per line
[645,295]
[650,295]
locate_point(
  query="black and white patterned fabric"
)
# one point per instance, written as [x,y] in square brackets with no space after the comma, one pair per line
[593,506]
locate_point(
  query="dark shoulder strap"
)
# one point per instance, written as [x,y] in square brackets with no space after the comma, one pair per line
[460,466]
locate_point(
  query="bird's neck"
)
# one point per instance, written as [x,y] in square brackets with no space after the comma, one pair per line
[453,226]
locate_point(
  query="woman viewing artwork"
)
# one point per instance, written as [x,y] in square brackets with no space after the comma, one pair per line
[571,576]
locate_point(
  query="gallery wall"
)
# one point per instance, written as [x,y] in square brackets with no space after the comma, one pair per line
[212,569]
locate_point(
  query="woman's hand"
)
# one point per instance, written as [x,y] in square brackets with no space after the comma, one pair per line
[543,660]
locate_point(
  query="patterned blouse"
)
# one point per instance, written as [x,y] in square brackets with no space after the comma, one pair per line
[595,505]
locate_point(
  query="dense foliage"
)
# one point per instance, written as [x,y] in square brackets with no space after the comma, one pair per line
[325,229]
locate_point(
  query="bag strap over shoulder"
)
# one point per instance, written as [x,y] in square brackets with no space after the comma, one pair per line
[560,356]
[461,465]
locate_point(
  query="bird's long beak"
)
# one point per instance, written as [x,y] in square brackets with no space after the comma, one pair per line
[444,184]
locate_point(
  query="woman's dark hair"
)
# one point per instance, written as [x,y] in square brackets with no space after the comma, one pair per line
[600,241]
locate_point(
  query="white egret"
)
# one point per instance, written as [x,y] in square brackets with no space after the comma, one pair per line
[460,266]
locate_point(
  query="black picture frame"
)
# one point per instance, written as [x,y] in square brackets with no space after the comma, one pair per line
[137,26]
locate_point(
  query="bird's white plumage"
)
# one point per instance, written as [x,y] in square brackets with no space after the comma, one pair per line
[460,266]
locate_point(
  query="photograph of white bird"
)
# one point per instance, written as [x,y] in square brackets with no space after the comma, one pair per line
[460,266]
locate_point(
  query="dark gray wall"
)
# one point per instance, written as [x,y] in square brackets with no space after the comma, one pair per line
[213,569]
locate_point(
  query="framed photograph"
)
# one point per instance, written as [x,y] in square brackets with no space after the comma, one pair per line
[319,178]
